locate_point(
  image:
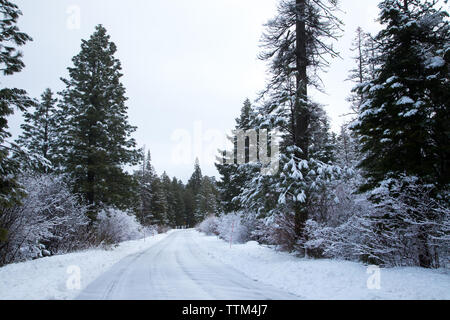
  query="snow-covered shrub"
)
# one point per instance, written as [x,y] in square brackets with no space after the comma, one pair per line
[341,242]
[230,226]
[227,226]
[405,226]
[410,223]
[257,227]
[281,231]
[209,226]
[330,224]
[338,202]
[114,226]
[49,221]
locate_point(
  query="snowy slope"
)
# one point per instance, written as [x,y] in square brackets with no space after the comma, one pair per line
[46,278]
[326,279]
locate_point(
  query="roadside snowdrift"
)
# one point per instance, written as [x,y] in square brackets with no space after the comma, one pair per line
[47,278]
[326,279]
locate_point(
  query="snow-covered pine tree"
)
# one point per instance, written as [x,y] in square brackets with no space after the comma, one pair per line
[347,154]
[171,199]
[365,49]
[322,140]
[10,62]
[145,177]
[193,188]
[404,126]
[96,141]
[232,181]
[245,120]
[180,208]
[195,182]
[39,131]
[404,121]
[206,200]
[366,52]
[297,43]
[189,206]
[228,189]
[159,205]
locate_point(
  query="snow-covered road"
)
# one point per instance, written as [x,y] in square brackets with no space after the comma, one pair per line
[187,264]
[178,268]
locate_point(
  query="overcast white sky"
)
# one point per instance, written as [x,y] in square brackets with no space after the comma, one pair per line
[188,65]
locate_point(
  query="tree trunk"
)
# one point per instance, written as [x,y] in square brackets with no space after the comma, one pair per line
[301,107]
[301,112]
[90,181]
[425,257]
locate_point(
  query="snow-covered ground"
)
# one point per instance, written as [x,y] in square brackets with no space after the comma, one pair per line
[178,269]
[186,264]
[56,277]
[327,279]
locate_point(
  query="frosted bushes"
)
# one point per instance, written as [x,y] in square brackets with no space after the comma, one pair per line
[209,226]
[242,227]
[114,226]
[405,226]
[230,226]
[49,221]
[227,227]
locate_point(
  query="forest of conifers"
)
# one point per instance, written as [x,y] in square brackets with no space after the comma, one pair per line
[376,192]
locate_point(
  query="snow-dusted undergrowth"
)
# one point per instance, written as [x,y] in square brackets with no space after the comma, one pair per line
[326,279]
[229,227]
[46,278]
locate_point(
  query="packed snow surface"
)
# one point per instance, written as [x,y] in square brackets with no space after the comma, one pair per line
[328,279]
[179,268]
[48,278]
[186,264]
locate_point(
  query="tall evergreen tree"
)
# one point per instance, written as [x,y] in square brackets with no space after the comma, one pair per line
[297,44]
[180,208]
[159,205]
[10,63]
[189,206]
[195,182]
[206,200]
[365,49]
[322,140]
[347,154]
[97,142]
[245,120]
[145,177]
[231,182]
[171,199]
[404,121]
[193,188]
[39,135]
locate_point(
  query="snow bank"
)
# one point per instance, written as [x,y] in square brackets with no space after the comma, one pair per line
[326,279]
[47,278]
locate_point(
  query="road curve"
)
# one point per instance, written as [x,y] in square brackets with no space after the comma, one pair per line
[177,269]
